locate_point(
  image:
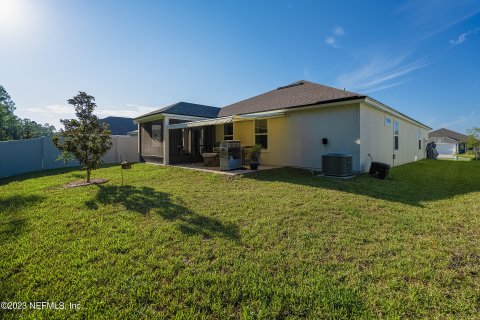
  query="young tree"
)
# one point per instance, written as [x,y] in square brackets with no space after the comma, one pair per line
[473,138]
[84,138]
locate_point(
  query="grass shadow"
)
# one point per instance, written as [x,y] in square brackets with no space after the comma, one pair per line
[13,204]
[411,184]
[50,172]
[12,227]
[146,200]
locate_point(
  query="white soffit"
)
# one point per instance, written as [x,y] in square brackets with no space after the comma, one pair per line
[260,115]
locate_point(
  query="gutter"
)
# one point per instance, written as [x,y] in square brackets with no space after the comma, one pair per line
[356,99]
[378,105]
[329,103]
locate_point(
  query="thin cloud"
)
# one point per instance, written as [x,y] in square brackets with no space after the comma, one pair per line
[141,109]
[338,31]
[387,86]
[451,24]
[432,17]
[463,37]
[461,120]
[54,109]
[52,113]
[401,71]
[332,40]
[380,72]
[68,112]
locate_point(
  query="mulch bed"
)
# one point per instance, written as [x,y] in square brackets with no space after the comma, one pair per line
[81,183]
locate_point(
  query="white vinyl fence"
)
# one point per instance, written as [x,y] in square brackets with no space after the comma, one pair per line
[22,156]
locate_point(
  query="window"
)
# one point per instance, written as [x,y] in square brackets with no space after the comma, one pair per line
[396,131]
[228,131]
[157,132]
[261,133]
[388,121]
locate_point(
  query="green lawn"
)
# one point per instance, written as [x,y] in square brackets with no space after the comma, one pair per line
[174,243]
[466,156]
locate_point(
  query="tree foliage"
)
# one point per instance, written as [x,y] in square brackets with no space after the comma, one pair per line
[84,138]
[8,122]
[14,128]
[473,137]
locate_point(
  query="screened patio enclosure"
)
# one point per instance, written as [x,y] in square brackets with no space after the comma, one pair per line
[188,140]
[186,145]
[151,141]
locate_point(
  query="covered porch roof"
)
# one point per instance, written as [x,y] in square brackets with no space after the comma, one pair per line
[229,119]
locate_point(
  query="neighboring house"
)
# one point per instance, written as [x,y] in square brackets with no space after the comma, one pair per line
[291,123]
[133,133]
[158,145]
[448,142]
[119,125]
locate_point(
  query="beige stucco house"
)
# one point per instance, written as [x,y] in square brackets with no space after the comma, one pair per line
[291,123]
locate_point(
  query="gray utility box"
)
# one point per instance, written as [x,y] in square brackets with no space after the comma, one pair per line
[337,164]
[230,155]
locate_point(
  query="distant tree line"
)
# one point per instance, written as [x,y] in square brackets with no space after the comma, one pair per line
[14,128]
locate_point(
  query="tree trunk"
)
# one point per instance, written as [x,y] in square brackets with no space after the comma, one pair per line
[88,175]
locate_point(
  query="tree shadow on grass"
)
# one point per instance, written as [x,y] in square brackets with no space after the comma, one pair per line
[411,184]
[146,200]
[11,227]
[51,172]
[15,203]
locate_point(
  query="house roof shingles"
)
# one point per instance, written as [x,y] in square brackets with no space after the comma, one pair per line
[186,109]
[297,94]
[119,125]
[445,133]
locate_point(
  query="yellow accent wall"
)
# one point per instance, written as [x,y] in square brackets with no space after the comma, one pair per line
[218,133]
[244,131]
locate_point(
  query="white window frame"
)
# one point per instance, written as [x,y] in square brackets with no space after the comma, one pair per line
[255,134]
[227,135]
[388,121]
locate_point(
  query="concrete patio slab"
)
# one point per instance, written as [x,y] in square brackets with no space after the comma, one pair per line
[200,167]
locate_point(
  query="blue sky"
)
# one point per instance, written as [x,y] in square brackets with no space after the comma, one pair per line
[421,57]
